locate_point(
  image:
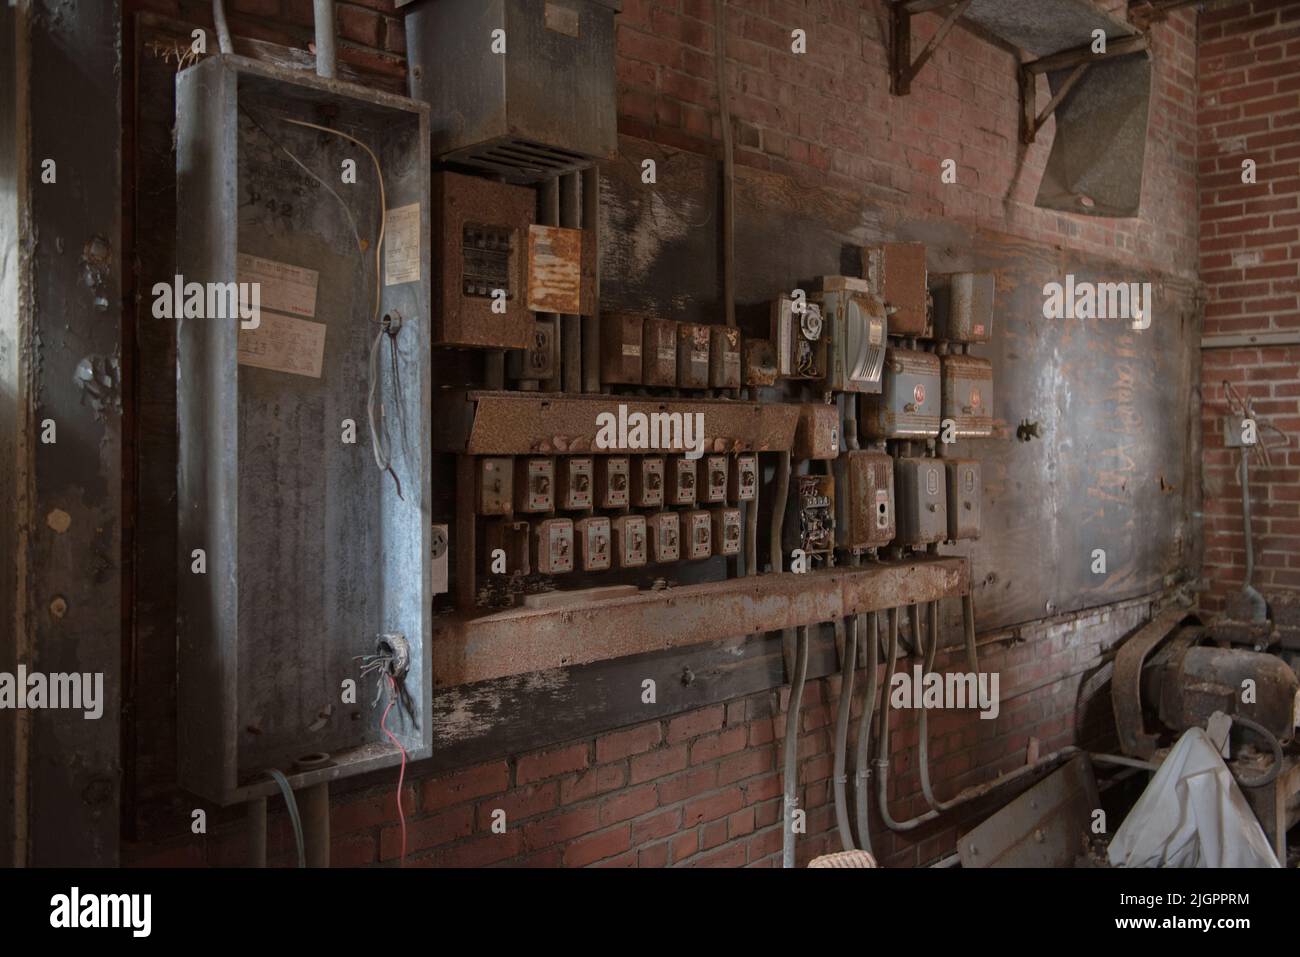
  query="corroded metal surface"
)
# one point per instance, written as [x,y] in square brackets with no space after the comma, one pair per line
[1126,683]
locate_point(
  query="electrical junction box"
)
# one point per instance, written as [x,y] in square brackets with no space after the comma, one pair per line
[659,352]
[496,486]
[799,338]
[742,480]
[480,232]
[692,356]
[595,541]
[920,486]
[963,307]
[968,395]
[621,334]
[534,485]
[648,482]
[553,546]
[613,481]
[715,484]
[512,538]
[681,480]
[964,492]
[522,88]
[665,537]
[909,405]
[540,360]
[289,518]
[576,481]
[726,530]
[699,534]
[724,357]
[629,540]
[864,516]
[817,434]
[896,271]
[857,330]
[810,519]
[758,363]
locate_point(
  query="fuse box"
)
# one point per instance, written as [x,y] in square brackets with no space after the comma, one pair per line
[964,491]
[799,337]
[817,435]
[540,359]
[595,541]
[920,487]
[513,540]
[682,481]
[855,320]
[714,489]
[659,352]
[963,307]
[699,534]
[621,335]
[613,481]
[726,530]
[724,357]
[553,546]
[665,537]
[629,540]
[811,526]
[692,356]
[742,480]
[758,363]
[496,486]
[648,482]
[865,503]
[909,405]
[896,272]
[968,394]
[576,480]
[534,485]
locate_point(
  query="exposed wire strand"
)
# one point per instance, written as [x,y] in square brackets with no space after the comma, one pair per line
[292,803]
[401,775]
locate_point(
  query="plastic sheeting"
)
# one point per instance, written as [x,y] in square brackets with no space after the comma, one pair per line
[1192,814]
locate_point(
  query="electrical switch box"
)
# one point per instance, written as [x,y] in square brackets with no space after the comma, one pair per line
[648,482]
[576,481]
[811,527]
[968,394]
[621,335]
[553,546]
[798,335]
[534,485]
[480,235]
[964,492]
[817,434]
[511,539]
[630,541]
[595,543]
[699,534]
[909,405]
[692,356]
[896,272]
[665,537]
[855,318]
[714,490]
[681,480]
[864,516]
[758,363]
[724,357]
[496,486]
[742,480]
[921,489]
[659,352]
[963,306]
[726,530]
[613,481]
[540,360]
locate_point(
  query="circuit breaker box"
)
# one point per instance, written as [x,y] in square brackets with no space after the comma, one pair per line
[817,434]
[714,487]
[577,479]
[968,395]
[921,490]
[553,547]
[864,507]
[629,540]
[620,348]
[909,405]
[613,481]
[896,272]
[699,534]
[742,479]
[692,356]
[726,531]
[682,480]
[964,492]
[665,537]
[724,357]
[263,638]
[857,330]
[963,306]
[595,543]
[648,481]
[534,485]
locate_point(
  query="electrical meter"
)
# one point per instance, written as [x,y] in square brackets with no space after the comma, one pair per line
[909,405]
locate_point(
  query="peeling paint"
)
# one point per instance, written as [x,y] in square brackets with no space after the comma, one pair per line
[59,520]
[100,379]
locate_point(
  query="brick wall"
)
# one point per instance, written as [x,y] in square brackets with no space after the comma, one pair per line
[1249,77]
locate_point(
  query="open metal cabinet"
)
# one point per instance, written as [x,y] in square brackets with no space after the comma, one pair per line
[312,551]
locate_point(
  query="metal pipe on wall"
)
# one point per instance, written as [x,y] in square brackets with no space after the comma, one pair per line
[591,322]
[550,216]
[571,326]
[224,43]
[839,777]
[790,788]
[862,764]
[323,11]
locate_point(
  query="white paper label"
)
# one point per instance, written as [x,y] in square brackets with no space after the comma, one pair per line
[402,245]
[284,288]
[284,344]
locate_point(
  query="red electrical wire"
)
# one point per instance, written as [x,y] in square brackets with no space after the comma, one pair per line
[401,776]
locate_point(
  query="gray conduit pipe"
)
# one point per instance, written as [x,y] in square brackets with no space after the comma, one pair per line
[840,778]
[968,624]
[791,773]
[225,45]
[325,55]
[862,766]
[591,323]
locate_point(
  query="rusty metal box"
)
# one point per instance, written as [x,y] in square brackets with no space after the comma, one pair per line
[968,395]
[534,485]
[665,537]
[659,352]
[613,481]
[726,530]
[595,543]
[480,236]
[896,272]
[621,335]
[817,435]
[540,359]
[714,488]
[514,540]
[553,546]
[758,361]
[561,270]
[576,481]
[799,338]
[742,479]
[963,306]
[648,481]
[810,518]
[920,487]
[692,356]
[682,483]
[535,100]
[964,492]
[909,406]
[864,516]
[699,534]
[496,486]
[724,357]
[629,540]
[856,326]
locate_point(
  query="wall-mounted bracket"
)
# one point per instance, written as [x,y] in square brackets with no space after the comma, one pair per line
[1080,58]
[902,69]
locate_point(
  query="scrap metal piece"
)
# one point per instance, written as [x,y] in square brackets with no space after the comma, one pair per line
[1126,682]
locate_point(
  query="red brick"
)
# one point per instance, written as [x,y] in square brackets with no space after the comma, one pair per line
[465,785]
[427,832]
[695,723]
[597,847]
[622,744]
[549,764]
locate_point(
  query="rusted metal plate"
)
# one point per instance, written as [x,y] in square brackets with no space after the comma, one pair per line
[505,423]
[526,640]
[1126,683]
[896,272]
[554,269]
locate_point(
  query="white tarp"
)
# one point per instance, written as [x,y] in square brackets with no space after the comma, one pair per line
[1192,814]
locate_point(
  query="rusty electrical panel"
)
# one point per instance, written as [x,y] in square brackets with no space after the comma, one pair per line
[534,485]
[726,530]
[555,270]
[963,307]
[699,534]
[798,335]
[630,540]
[818,433]
[896,272]
[811,527]
[496,486]
[865,499]
[742,479]
[855,325]
[692,356]
[613,481]
[576,480]
[665,537]
[621,336]
[909,406]
[920,487]
[553,546]
[595,541]
[724,357]
[659,352]
[968,394]
[648,482]
[964,493]
[758,363]
[682,481]
[714,488]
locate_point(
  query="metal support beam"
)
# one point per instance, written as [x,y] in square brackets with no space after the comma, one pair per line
[1080,58]
[1245,340]
[1121,46]
[902,69]
[1029,92]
